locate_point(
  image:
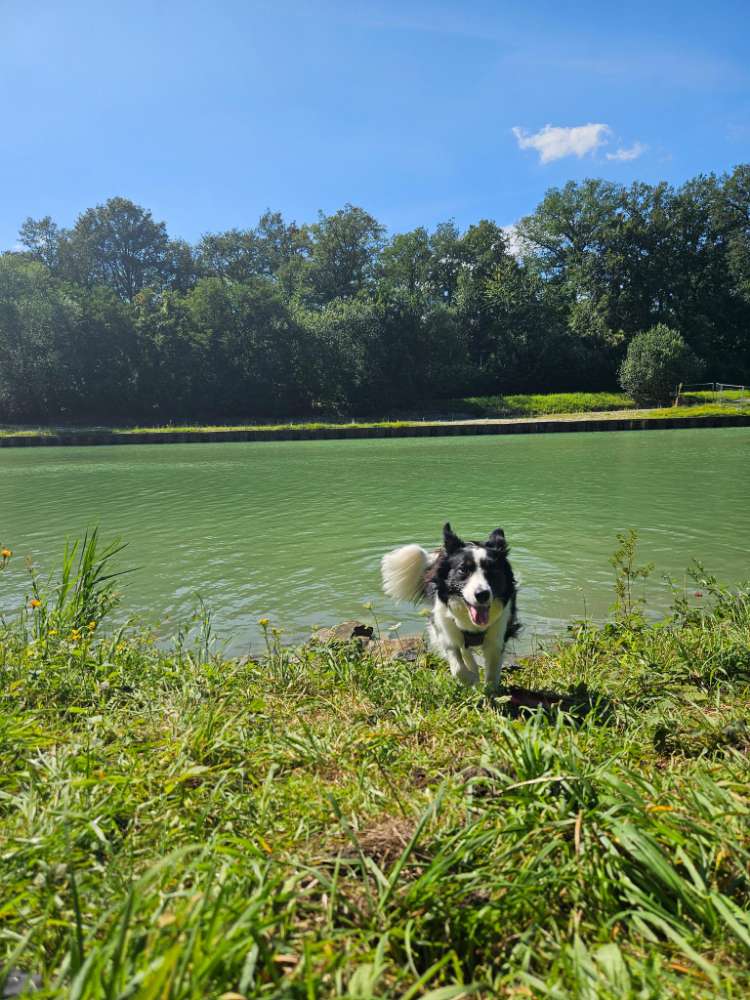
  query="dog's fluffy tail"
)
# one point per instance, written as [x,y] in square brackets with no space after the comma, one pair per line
[403,572]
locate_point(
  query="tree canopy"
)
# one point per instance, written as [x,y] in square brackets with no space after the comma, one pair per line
[115,319]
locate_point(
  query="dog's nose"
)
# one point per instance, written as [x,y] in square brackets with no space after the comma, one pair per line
[482,596]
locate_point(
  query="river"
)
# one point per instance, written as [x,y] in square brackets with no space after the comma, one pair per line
[293,531]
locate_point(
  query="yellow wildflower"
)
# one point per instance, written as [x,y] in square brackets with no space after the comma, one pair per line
[263,622]
[5,553]
[34,602]
[91,626]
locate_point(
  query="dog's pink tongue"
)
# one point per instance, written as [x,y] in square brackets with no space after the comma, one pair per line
[480,616]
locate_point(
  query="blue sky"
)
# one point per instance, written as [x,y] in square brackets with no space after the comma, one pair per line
[209,113]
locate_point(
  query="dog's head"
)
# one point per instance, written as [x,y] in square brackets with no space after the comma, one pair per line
[474,579]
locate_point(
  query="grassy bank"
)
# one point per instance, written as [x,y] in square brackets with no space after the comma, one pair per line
[535,405]
[543,404]
[482,409]
[323,822]
[582,403]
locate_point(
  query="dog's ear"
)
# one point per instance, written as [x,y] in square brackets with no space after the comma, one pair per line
[451,542]
[497,541]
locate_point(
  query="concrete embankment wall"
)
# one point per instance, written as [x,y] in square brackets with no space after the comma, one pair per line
[345,431]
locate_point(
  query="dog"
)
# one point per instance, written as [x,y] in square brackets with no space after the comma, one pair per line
[473,593]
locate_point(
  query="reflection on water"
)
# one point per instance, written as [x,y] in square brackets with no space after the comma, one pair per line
[294,531]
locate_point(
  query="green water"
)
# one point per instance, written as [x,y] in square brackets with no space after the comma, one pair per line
[294,531]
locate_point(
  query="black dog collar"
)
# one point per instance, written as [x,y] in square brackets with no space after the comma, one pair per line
[473,639]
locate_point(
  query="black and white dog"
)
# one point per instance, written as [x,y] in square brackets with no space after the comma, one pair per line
[473,594]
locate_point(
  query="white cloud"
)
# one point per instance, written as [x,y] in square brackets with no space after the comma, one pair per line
[514,241]
[553,142]
[628,154]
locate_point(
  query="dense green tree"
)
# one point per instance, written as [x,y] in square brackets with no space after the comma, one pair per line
[42,370]
[563,241]
[484,248]
[233,254]
[446,261]
[170,357]
[569,227]
[527,341]
[405,262]
[282,245]
[113,319]
[657,361]
[482,257]
[344,251]
[105,348]
[734,219]
[274,249]
[41,239]
[253,349]
[182,266]
[624,259]
[118,244]
[340,332]
[397,353]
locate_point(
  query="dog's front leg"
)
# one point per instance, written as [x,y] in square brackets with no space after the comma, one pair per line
[493,648]
[493,662]
[466,672]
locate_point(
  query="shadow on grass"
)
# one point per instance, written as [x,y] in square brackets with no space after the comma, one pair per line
[581,701]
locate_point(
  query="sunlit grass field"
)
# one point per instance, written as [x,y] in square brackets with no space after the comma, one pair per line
[324,821]
[543,404]
[548,404]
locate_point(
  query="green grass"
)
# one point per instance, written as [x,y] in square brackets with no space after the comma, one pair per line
[9,430]
[565,404]
[694,410]
[307,425]
[707,395]
[542,404]
[72,431]
[320,822]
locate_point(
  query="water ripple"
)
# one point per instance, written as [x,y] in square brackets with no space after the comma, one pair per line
[294,531]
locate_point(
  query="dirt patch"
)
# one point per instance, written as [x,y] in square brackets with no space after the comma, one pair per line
[385,841]
[419,778]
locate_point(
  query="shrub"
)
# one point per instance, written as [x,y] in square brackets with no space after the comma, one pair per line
[656,361]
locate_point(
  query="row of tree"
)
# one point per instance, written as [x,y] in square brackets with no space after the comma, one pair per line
[114,320]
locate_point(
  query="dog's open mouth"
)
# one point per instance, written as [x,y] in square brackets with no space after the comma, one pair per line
[480,615]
